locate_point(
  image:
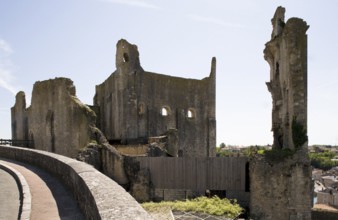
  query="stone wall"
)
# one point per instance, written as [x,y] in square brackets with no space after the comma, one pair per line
[98,196]
[286,54]
[19,118]
[281,190]
[280,180]
[56,121]
[138,104]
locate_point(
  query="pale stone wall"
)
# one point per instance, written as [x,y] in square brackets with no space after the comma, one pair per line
[281,190]
[131,103]
[281,186]
[19,118]
[286,54]
[98,196]
[58,121]
[327,197]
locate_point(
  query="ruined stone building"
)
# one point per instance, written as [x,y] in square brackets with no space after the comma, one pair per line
[130,108]
[56,121]
[281,180]
[135,105]
[135,112]
[286,54]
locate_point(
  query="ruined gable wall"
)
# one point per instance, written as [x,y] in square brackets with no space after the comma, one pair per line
[131,101]
[58,121]
[116,96]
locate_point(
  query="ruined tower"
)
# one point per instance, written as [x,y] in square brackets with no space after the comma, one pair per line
[135,105]
[286,54]
[280,180]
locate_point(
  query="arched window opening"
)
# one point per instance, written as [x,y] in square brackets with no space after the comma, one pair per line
[165,111]
[125,58]
[191,113]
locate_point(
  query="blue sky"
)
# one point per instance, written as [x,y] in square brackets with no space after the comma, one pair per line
[43,39]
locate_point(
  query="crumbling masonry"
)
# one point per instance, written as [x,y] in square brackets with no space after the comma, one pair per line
[281,185]
[135,105]
[135,113]
[286,54]
[138,113]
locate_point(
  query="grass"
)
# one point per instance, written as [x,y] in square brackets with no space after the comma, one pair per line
[212,206]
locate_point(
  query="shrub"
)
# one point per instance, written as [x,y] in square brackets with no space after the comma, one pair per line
[323,160]
[212,206]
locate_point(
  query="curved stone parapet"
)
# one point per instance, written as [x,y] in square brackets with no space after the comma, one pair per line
[98,196]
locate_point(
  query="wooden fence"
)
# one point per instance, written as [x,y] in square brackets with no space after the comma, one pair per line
[218,173]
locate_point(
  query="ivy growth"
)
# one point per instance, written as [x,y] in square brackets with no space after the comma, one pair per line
[278,155]
[299,134]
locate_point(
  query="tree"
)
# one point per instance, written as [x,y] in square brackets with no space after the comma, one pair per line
[222,145]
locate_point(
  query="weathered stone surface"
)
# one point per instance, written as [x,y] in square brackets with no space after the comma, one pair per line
[137,104]
[281,190]
[113,164]
[140,186]
[91,155]
[172,144]
[19,118]
[57,121]
[280,181]
[98,196]
[286,53]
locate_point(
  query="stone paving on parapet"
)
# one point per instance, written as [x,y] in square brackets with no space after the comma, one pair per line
[50,200]
[9,196]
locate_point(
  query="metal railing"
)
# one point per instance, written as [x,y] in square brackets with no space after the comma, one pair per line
[17,143]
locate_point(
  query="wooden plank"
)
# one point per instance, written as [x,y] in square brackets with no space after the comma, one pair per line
[217,173]
[190,170]
[231,174]
[196,173]
[209,175]
[182,173]
[201,173]
[237,175]
[227,173]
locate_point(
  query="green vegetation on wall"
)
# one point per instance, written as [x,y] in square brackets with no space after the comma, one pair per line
[299,134]
[278,155]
